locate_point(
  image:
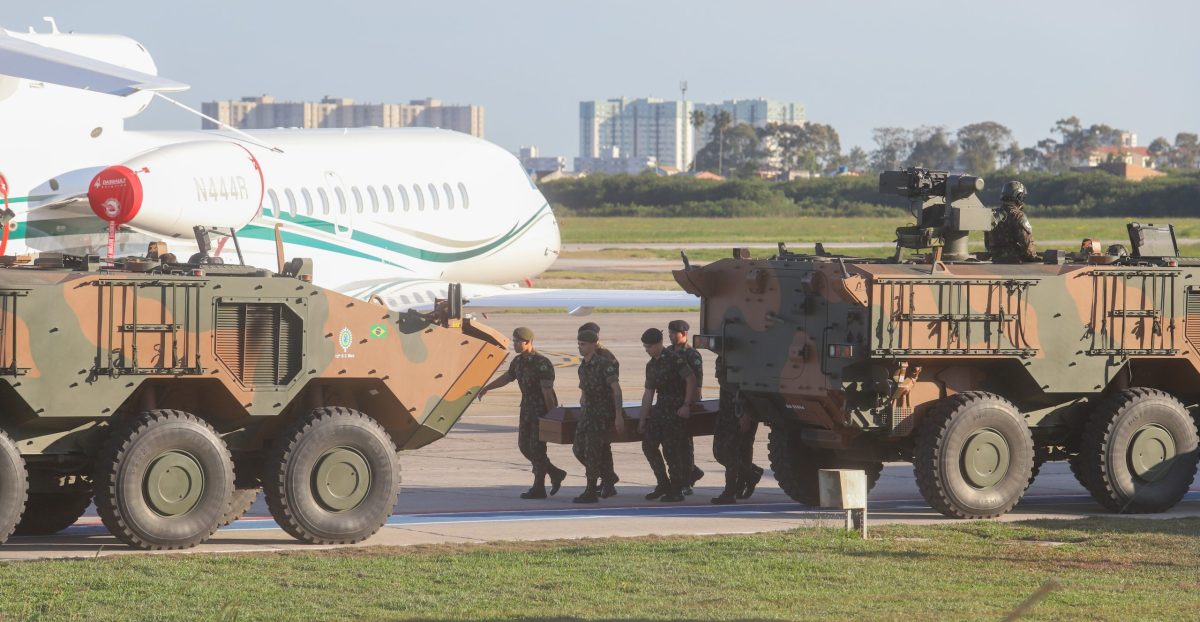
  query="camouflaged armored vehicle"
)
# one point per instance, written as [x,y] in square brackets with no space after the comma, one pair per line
[169,392]
[975,372]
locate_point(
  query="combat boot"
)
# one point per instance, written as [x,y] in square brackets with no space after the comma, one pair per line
[674,495]
[750,482]
[608,488]
[729,495]
[557,476]
[538,491]
[659,490]
[589,494]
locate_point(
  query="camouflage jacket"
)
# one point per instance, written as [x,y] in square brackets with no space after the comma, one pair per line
[1011,239]
[596,376]
[533,372]
[666,375]
[692,357]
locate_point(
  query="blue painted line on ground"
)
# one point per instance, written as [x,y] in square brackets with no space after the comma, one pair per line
[665,511]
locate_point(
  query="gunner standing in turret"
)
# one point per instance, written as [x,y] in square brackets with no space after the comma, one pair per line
[1011,237]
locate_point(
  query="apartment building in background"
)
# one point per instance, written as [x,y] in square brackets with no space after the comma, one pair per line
[266,112]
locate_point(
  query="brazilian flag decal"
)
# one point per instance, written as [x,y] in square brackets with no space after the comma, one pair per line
[378,331]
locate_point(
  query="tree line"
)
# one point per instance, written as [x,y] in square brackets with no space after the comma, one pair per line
[1071,193]
[979,148]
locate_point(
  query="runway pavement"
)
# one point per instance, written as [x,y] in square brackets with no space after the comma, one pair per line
[465,487]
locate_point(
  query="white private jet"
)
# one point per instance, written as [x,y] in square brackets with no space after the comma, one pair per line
[396,213]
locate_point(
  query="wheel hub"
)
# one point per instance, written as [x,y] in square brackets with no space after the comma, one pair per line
[174,483]
[341,479]
[1151,450]
[985,458]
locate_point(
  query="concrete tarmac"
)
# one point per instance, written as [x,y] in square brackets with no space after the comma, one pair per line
[465,488]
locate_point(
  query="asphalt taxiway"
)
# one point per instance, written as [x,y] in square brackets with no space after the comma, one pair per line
[465,488]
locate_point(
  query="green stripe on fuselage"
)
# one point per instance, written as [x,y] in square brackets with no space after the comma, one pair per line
[86,226]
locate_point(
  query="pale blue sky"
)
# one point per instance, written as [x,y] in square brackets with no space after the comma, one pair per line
[853,64]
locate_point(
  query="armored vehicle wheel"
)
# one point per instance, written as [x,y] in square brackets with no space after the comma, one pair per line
[14,486]
[1139,451]
[974,456]
[332,478]
[163,481]
[239,504]
[48,513]
[796,465]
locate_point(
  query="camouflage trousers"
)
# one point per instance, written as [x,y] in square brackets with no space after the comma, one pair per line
[733,448]
[593,450]
[533,449]
[667,430]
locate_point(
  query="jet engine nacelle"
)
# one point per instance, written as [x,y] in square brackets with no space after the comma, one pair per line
[170,190]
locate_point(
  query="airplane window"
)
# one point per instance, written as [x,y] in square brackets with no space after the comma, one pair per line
[417,297]
[403,196]
[387,195]
[358,200]
[433,195]
[324,196]
[404,299]
[291,199]
[308,201]
[341,198]
[374,199]
[274,202]
[462,189]
[449,196]
[420,197]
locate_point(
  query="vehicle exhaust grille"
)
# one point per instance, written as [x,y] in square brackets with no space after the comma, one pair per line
[1191,323]
[258,342]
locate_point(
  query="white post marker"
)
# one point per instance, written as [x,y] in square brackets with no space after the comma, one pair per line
[846,489]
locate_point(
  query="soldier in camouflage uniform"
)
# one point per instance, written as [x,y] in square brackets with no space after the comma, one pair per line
[668,376]
[733,444]
[599,406]
[677,332]
[535,376]
[1011,237]
[608,478]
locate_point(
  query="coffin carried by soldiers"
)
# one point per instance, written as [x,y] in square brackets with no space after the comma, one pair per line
[558,425]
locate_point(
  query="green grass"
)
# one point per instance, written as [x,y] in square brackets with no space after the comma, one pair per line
[579,230]
[1109,569]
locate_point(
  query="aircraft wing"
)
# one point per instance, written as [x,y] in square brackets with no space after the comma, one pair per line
[419,295]
[31,61]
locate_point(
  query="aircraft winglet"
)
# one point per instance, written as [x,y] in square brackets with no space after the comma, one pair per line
[31,61]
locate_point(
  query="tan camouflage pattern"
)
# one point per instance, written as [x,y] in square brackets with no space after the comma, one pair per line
[835,344]
[80,348]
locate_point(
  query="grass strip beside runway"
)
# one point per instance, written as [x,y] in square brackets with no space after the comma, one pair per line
[582,229]
[1107,568]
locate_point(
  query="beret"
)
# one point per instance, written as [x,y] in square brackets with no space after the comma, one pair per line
[678,326]
[592,326]
[523,333]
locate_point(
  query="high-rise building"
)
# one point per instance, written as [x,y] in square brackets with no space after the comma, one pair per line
[755,112]
[640,129]
[635,129]
[264,112]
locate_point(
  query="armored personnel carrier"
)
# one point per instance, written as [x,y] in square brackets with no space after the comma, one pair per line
[169,392]
[976,372]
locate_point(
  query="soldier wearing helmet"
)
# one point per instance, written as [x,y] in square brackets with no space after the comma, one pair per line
[1011,237]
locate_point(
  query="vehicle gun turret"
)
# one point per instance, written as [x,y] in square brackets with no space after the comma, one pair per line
[949,209]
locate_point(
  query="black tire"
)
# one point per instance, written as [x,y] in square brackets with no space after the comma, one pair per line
[991,482]
[163,481]
[796,465]
[239,503]
[349,446]
[47,513]
[1139,452]
[14,486]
